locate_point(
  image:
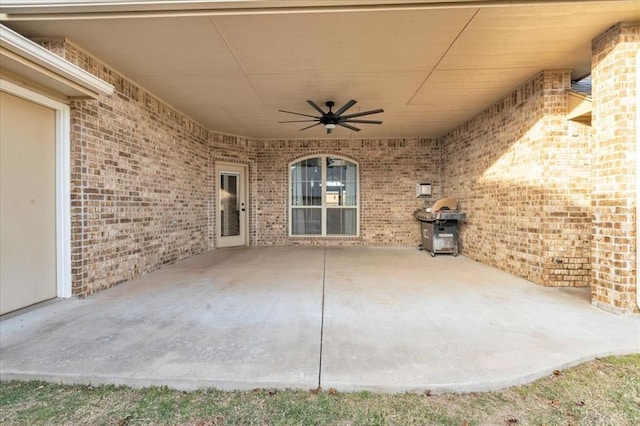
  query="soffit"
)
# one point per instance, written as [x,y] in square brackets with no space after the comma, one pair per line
[580,107]
[430,69]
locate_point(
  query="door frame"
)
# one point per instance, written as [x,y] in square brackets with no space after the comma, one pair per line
[63,180]
[243,171]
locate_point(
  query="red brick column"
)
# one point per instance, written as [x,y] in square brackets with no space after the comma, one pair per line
[614,62]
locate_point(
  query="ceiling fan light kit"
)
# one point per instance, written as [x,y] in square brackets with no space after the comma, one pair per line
[330,119]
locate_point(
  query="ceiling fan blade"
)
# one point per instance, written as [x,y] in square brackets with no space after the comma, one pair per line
[348,120]
[297,113]
[316,107]
[348,126]
[360,114]
[298,121]
[346,106]
[308,127]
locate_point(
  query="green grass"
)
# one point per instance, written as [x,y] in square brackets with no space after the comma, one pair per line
[602,392]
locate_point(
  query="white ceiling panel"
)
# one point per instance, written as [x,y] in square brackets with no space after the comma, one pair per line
[222,91]
[558,36]
[146,47]
[283,91]
[343,42]
[475,88]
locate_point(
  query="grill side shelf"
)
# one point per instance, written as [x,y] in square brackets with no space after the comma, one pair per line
[425,216]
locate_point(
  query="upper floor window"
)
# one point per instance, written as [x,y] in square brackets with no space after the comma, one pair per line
[324,197]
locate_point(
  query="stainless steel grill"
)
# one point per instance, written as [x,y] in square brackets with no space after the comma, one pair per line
[439,227]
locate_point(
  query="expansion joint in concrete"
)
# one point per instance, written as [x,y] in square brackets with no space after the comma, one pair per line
[324,275]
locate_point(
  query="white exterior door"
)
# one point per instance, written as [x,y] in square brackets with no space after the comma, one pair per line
[231,220]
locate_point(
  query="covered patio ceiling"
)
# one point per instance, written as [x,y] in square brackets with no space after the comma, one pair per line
[231,65]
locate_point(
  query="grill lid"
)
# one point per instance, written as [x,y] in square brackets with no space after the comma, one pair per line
[443,209]
[445,204]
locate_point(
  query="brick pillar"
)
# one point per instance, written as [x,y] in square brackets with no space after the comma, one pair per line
[614,62]
[564,179]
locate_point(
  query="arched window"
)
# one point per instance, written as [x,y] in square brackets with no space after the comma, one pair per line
[324,197]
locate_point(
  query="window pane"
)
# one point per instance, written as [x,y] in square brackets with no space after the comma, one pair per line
[313,167]
[314,194]
[306,194]
[351,194]
[306,221]
[341,182]
[306,189]
[333,170]
[296,193]
[341,221]
[335,193]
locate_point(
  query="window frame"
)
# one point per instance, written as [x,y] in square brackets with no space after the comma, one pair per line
[323,207]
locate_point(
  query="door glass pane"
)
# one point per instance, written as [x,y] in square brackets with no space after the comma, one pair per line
[306,221]
[229,205]
[341,221]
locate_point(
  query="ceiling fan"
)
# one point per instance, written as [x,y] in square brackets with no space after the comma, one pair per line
[331,119]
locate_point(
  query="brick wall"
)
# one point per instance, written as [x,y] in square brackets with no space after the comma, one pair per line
[566,184]
[524,183]
[142,189]
[389,171]
[614,172]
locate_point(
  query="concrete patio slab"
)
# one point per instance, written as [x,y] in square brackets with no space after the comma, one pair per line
[398,320]
[381,319]
[231,319]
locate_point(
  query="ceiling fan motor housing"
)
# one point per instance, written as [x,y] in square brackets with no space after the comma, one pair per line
[329,117]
